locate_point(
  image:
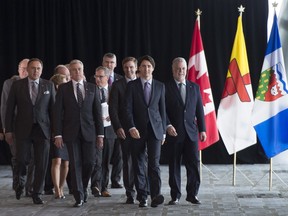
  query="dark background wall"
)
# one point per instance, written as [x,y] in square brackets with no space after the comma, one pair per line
[58,31]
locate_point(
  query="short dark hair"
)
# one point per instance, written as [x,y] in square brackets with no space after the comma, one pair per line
[35,59]
[127,59]
[147,58]
[109,55]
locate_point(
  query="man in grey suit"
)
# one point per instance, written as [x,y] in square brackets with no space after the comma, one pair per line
[22,73]
[78,124]
[185,116]
[146,120]
[34,98]
[118,120]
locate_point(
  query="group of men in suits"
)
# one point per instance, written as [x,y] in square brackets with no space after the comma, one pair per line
[141,112]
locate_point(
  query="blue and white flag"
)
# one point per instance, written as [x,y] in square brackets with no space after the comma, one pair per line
[270,111]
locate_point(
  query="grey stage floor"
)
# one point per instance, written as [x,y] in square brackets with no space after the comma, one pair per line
[251,195]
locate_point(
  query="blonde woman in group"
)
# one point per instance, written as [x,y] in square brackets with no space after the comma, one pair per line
[60,158]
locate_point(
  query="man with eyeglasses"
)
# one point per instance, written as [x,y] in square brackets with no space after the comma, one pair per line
[100,174]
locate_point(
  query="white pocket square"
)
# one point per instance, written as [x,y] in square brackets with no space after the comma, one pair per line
[46,92]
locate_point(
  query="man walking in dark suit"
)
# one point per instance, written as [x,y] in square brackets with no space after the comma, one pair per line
[184,114]
[34,98]
[110,61]
[22,73]
[118,120]
[77,123]
[146,120]
[102,166]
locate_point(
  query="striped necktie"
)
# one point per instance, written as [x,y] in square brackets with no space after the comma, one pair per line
[34,92]
[79,95]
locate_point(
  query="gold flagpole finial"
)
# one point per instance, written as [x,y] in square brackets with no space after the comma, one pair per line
[198,12]
[241,9]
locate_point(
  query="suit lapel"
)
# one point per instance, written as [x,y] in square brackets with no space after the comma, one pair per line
[153,90]
[140,90]
[26,89]
[71,92]
[177,92]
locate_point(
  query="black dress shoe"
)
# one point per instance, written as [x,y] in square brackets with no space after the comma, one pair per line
[158,200]
[28,194]
[96,191]
[193,200]
[78,203]
[173,202]
[130,200]
[143,203]
[70,191]
[37,200]
[49,192]
[19,192]
[85,196]
[116,185]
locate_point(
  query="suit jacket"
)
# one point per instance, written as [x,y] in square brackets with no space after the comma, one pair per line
[183,116]
[108,131]
[117,77]
[19,97]
[139,114]
[4,97]
[117,110]
[69,118]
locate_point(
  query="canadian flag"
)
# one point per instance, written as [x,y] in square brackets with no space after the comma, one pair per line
[198,73]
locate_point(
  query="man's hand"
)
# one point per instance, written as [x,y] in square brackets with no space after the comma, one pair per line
[171,131]
[58,142]
[203,136]
[121,133]
[134,133]
[99,142]
[9,138]
[1,136]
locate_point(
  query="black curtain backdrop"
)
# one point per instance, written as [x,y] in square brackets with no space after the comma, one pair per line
[57,31]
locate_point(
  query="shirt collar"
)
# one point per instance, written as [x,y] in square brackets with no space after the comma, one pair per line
[144,81]
[177,82]
[105,87]
[35,81]
[128,80]
[75,82]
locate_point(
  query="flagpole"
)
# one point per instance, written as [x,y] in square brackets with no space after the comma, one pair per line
[270,175]
[200,157]
[234,170]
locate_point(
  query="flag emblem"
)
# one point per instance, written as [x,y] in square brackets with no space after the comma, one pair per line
[271,84]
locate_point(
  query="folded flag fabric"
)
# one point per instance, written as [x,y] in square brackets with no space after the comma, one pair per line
[270,112]
[198,73]
[235,108]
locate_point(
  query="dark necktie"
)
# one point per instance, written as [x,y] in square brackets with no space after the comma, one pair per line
[182,91]
[103,98]
[110,81]
[79,95]
[147,91]
[34,92]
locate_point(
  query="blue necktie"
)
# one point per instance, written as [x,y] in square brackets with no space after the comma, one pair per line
[147,91]
[182,91]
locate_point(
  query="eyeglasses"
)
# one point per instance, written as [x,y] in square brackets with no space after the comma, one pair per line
[100,77]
